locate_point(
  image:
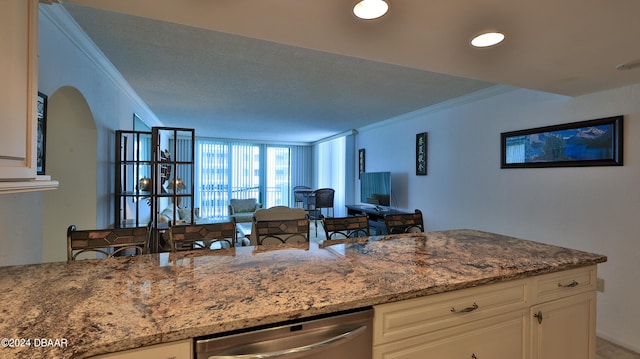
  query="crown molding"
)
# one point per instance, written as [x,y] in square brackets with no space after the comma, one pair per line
[449,104]
[70,28]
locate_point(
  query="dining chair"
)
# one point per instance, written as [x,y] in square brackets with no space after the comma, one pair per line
[404,223]
[320,198]
[202,236]
[111,242]
[282,231]
[345,227]
[274,213]
[300,195]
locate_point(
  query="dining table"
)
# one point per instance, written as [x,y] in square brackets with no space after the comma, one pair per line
[307,197]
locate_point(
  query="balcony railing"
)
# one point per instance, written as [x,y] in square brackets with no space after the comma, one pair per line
[214,199]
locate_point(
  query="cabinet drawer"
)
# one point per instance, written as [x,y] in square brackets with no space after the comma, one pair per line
[500,337]
[563,284]
[175,350]
[400,320]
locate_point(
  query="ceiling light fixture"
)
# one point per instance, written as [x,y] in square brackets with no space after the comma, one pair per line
[487,39]
[370,9]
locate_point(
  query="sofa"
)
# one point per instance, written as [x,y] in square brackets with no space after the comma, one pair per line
[183,215]
[242,210]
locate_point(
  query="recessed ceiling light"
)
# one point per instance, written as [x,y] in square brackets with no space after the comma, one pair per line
[487,39]
[370,9]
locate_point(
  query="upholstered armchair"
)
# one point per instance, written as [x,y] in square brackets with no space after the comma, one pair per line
[241,210]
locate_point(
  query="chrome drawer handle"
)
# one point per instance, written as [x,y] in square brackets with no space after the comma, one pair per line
[465,310]
[570,285]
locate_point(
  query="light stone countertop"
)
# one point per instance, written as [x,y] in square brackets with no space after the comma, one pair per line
[109,305]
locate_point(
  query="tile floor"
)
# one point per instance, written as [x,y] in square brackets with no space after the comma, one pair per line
[608,350]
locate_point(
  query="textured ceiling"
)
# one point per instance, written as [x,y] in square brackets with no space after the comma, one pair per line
[301,71]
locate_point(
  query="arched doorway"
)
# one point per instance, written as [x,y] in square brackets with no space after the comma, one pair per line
[71,158]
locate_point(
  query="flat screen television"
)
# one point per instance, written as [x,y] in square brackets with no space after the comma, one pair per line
[375,188]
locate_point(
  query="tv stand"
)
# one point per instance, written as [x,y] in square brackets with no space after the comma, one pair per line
[374,213]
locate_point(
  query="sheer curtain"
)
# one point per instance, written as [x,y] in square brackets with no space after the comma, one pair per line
[278,176]
[245,169]
[212,178]
[234,169]
[330,168]
[301,169]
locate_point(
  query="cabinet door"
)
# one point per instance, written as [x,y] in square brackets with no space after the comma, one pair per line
[175,350]
[18,71]
[499,337]
[565,328]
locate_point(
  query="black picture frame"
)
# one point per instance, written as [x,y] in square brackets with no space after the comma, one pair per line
[421,154]
[361,161]
[577,144]
[41,139]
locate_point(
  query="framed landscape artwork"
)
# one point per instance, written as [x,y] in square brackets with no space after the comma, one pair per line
[586,143]
[41,133]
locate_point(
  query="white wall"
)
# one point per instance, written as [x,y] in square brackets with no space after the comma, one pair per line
[67,59]
[71,159]
[596,209]
[21,235]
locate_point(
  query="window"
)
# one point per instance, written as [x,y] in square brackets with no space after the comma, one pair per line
[232,169]
[278,176]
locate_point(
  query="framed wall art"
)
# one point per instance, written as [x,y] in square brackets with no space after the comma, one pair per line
[41,133]
[586,143]
[421,154]
[361,163]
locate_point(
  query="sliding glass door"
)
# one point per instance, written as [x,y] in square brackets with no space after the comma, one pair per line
[230,169]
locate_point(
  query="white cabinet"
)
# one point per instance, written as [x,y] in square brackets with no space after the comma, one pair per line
[498,337]
[494,321]
[489,321]
[177,350]
[18,97]
[563,325]
[18,91]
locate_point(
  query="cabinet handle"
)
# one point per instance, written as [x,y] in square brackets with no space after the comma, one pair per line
[473,356]
[570,285]
[539,316]
[465,310]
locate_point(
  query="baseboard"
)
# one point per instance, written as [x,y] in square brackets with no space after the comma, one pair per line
[627,346]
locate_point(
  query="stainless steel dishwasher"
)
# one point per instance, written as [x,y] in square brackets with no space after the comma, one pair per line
[340,336]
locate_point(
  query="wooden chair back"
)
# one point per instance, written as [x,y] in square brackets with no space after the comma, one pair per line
[108,242]
[274,213]
[345,227]
[321,198]
[202,236]
[282,231]
[404,223]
